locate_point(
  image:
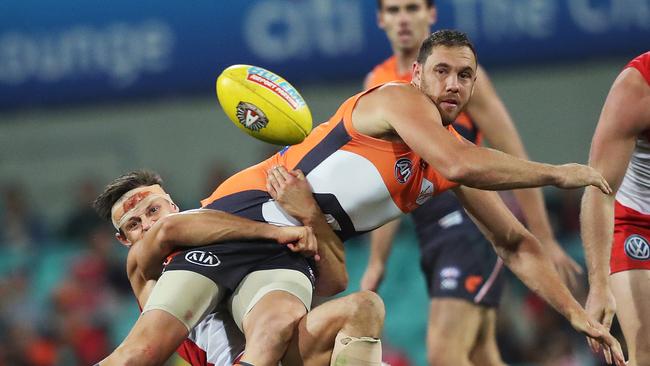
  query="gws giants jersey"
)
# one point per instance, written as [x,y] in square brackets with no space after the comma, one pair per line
[359,182]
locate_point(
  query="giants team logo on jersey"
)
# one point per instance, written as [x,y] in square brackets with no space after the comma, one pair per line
[403,170]
[251,117]
[637,247]
[202,258]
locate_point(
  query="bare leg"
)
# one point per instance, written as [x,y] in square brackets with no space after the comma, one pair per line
[485,351]
[454,327]
[632,292]
[359,315]
[153,339]
[269,327]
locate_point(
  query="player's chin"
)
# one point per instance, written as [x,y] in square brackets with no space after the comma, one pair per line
[448,118]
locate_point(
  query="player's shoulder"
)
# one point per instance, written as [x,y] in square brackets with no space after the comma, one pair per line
[639,66]
[391,94]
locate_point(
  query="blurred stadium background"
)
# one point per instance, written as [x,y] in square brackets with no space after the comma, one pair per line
[90,90]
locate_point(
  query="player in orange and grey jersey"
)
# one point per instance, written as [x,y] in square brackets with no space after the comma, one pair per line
[389,149]
[620,150]
[463,275]
[384,153]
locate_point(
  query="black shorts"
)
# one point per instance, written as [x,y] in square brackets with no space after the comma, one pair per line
[228,263]
[465,266]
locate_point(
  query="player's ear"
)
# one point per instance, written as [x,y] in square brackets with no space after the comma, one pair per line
[122,239]
[416,74]
[174,207]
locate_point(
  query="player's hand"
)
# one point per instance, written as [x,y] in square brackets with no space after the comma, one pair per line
[578,175]
[373,277]
[568,269]
[597,333]
[601,306]
[299,239]
[292,191]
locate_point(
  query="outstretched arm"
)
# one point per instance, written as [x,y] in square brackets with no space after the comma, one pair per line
[404,110]
[523,254]
[491,116]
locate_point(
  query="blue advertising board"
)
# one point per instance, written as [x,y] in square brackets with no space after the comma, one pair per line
[78,51]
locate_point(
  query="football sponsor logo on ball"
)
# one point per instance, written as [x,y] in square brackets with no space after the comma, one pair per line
[251,117]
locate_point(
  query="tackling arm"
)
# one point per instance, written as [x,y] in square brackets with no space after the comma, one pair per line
[201,227]
[293,192]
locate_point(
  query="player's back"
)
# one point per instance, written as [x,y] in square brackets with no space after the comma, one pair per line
[634,189]
[360,182]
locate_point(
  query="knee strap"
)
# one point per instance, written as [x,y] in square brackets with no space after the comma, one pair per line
[356,351]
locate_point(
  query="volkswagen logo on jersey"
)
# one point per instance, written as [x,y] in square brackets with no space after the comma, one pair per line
[403,170]
[637,247]
[202,258]
[251,117]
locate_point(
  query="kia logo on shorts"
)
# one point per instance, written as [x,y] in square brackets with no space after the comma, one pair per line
[637,247]
[202,258]
[403,170]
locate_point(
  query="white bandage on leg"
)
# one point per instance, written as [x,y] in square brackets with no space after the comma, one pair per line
[356,351]
[186,295]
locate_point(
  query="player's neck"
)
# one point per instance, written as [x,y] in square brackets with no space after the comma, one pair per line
[404,60]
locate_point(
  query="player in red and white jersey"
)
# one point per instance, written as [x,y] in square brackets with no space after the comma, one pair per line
[620,150]
[152,231]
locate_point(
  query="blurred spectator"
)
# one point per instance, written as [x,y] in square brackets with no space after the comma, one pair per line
[20,227]
[82,219]
[216,173]
[564,211]
[86,302]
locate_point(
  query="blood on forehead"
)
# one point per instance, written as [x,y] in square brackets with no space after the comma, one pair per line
[134,200]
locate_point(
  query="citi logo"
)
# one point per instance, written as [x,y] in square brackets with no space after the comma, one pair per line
[637,247]
[202,258]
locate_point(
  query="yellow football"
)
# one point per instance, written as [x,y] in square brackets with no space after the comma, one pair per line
[263,104]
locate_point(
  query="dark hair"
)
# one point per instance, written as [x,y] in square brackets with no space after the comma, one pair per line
[430,3]
[120,185]
[447,38]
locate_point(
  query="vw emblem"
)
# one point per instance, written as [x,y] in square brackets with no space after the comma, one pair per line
[637,247]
